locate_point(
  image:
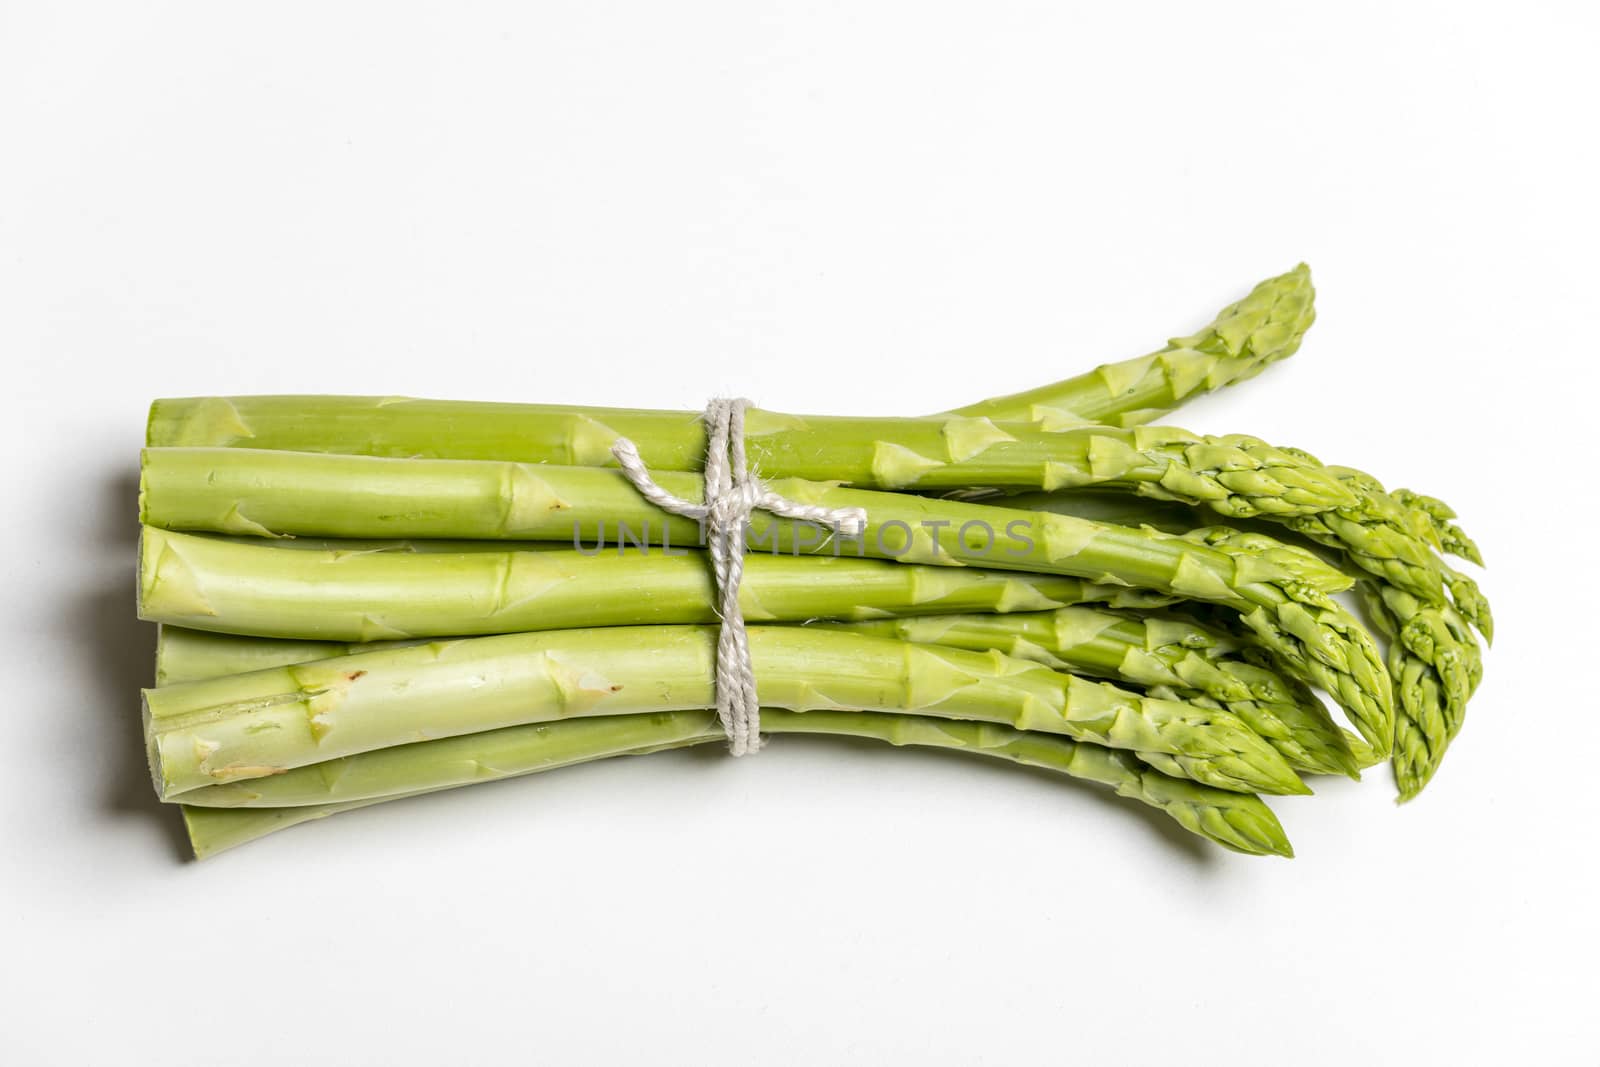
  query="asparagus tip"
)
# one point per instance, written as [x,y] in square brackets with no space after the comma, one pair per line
[1256,832]
[1299,788]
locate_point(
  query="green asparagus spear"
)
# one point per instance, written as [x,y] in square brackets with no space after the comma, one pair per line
[1420,733]
[1434,661]
[1264,327]
[1247,336]
[363,594]
[1237,821]
[1236,475]
[257,492]
[1196,661]
[272,721]
[1148,650]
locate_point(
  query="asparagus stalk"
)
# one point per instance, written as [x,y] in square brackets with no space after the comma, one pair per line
[1237,821]
[1246,337]
[1235,474]
[1175,658]
[1155,650]
[257,492]
[363,594]
[1436,667]
[271,721]
[1193,660]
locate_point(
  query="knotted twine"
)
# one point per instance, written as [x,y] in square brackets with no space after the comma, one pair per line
[732,493]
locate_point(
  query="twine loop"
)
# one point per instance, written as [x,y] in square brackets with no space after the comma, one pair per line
[732,494]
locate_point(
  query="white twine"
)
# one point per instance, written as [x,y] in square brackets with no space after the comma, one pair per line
[732,493]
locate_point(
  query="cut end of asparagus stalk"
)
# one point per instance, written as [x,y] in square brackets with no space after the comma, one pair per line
[164,786]
[151,748]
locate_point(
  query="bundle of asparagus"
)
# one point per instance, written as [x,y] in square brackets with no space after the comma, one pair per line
[364,599]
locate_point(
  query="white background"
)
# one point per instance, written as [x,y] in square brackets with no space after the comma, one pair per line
[890,208]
